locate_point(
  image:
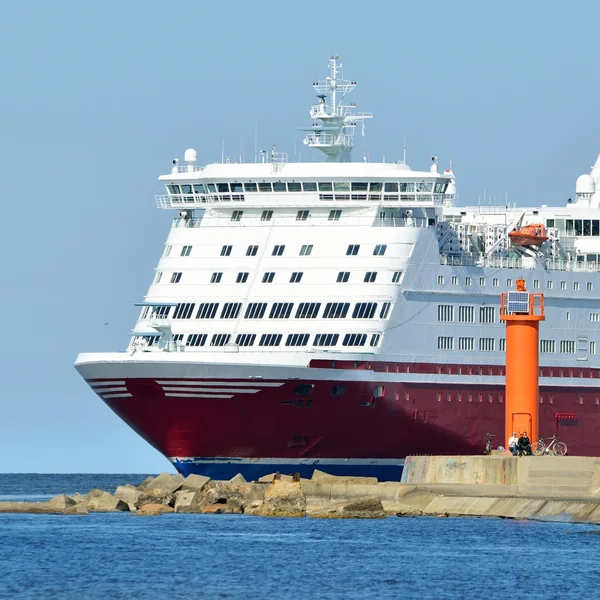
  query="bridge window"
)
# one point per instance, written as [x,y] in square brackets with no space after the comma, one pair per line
[375,186]
[174,189]
[250,187]
[325,186]
[341,186]
[223,188]
[279,186]
[360,186]
[236,187]
[310,186]
[294,186]
[391,187]
[265,187]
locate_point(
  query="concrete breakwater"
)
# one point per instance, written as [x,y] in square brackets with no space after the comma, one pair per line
[543,488]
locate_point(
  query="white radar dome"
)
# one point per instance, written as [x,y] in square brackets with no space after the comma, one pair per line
[585,184]
[190,156]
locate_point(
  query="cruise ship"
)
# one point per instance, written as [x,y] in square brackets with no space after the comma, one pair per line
[341,315]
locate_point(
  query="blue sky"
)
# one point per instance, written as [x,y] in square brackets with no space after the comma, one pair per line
[97,98]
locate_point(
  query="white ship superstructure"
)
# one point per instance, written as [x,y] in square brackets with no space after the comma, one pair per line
[329,313]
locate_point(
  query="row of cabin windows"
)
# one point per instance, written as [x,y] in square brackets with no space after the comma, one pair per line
[279,310]
[321,340]
[301,215]
[307,186]
[269,277]
[466,314]
[510,283]
[488,344]
[278,250]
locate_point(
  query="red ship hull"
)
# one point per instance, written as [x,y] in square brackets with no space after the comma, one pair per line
[374,420]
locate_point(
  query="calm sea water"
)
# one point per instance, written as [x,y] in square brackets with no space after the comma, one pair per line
[230,556]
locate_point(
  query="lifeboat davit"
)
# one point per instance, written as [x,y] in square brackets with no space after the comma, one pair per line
[529,235]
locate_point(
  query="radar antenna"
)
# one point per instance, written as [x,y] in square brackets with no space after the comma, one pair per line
[333,131]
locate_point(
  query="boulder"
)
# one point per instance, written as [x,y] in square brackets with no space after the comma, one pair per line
[156,509]
[195,482]
[156,497]
[104,502]
[369,507]
[61,502]
[214,509]
[129,494]
[76,509]
[165,483]
[282,499]
[217,492]
[185,499]
[239,478]
[78,497]
[144,485]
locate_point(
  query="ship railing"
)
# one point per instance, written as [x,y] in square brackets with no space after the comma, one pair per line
[367,221]
[509,262]
[186,169]
[157,320]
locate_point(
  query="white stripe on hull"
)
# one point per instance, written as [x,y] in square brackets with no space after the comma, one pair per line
[183,395]
[126,395]
[210,389]
[254,383]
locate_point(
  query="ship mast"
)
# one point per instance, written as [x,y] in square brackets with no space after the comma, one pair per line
[334,123]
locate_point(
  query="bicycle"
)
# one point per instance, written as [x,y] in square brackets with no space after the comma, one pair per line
[554,448]
[488,444]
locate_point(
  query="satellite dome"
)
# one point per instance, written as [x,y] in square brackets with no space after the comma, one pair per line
[190,156]
[585,185]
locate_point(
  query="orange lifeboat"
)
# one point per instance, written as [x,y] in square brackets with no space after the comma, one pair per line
[529,235]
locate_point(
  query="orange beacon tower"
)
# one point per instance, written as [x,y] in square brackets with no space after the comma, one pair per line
[522,313]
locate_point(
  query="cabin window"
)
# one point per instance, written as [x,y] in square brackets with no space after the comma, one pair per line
[296,277]
[231,310]
[380,250]
[302,215]
[207,310]
[306,250]
[267,215]
[176,277]
[220,339]
[336,310]
[196,339]
[370,277]
[270,339]
[281,310]
[385,310]
[236,215]
[352,250]
[354,339]
[245,339]
[326,339]
[242,278]
[226,250]
[466,343]
[364,310]
[184,310]
[297,339]
[334,215]
[256,310]
[338,390]
[278,251]
[186,251]
[375,338]
[396,277]
[252,250]
[343,277]
[268,277]
[308,310]
[216,277]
